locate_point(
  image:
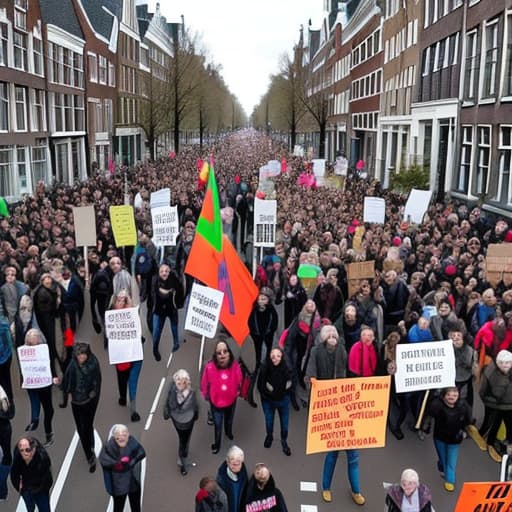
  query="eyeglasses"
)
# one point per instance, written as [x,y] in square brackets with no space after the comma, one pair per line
[25,450]
[220,352]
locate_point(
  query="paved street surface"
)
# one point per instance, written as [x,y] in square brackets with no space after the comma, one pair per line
[166,490]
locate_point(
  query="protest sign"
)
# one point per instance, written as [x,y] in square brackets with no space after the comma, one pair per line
[298,151]
[265,218]
[341,167]
[123,330]
[319,167]
[35,366]
[204,310]
[274,168]
[264,173]
[426,365]
[374,210]
[123,225]
[358,271]
[498,262]
[84,220]
[160,198]
[165,225]
[347,414]
[485,496]
[417,205]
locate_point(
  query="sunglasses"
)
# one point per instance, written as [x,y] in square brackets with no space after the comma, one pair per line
[25,450]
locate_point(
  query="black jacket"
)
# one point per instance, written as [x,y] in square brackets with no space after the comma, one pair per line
[36,476]
[274,382]
[269,498]
[83,381]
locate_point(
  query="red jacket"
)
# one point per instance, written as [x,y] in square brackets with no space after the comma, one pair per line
[485,335]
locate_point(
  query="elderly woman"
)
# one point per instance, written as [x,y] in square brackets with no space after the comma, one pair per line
[232,477]
[120,459]
[262,488]
[409,494]
[181,407]
[220,385]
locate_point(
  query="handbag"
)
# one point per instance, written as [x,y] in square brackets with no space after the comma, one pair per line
[247,385]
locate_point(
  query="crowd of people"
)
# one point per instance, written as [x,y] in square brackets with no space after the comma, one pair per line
[429,284]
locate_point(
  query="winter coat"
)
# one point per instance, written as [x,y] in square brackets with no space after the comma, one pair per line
[326,365]
[395,496]
[11,296]
[121,478]
[258,500]
[215,501]
[274,382]
[234,489]
[496,388]
[363,360]
[417,335]
[221,386]
[182,414]
[464,359]
[294,298]
[395,298]
[83,381]
[46,301]
[73,299]
[449,421]
[34,477]
[486,336]
[263,323]
[168,302]
[329,301]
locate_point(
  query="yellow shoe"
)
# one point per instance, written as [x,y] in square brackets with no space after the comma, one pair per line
[358,498]
[475,435]
[449,487]
[495,456]
[327,496]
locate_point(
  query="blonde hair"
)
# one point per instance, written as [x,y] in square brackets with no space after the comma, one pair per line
[327,331]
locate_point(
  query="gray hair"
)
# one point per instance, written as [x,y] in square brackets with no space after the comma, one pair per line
[34,333]
[181,375]
[118,428]
[504,356]
[410,475]
[235,453]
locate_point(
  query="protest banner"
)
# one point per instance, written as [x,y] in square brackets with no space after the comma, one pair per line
[35,366]
[160,198]
[341,167]
[319,167]
[84,220]
[204,310]
[426,365]
[498,262]
[347,414]
[485,497]
[123,330]
[417,205]
[356,272]
[374,210]
[123,225]
[265,218]
[165,225]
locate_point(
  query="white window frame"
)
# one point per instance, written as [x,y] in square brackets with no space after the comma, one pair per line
[23,50]
[92,67]
[474,46]
[34,94]
[493,24]
[38,56]
[102,65]
[6,100]
[479,166]
[467,148]
[502,149]
[17,88]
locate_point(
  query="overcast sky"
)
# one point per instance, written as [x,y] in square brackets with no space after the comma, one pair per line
[246,37]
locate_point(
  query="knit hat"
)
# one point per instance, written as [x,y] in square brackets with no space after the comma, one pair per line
[450,270]
[397,241]
[508,236]
[265,290]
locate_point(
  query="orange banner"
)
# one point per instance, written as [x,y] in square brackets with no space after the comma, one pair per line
[347,414]
[481,496]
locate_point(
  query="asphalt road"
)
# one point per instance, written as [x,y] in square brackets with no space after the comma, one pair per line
[165,489]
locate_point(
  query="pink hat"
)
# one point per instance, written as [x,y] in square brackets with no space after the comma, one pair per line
[508,236]
[351,230]
[450,270]
[397,241]
[355,223]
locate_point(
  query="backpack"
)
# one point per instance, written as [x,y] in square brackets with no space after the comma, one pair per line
[102,283]
[143,262]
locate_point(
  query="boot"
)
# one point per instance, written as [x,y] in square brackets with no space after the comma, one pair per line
[477,438]
[495,456]
[295,405]
[49,440]
[285,447]
[135,415]
[64,402]
[268,441]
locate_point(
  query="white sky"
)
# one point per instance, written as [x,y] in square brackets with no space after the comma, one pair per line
[246,37]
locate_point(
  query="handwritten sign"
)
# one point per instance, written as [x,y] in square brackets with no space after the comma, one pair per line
[374,210]
[347,414]
[123,225]
[427,365]
[123,330]
[35,366]
[204,310]
[265,218]
[417,205]
[319,167]
[341,167]
[160,198]
[485,496]
[356,272]
[165,225]
[84,220]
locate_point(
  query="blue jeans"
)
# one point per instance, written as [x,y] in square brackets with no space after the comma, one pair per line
[158,327]
[283,409]
[352,467]
[42,500]
[447,454]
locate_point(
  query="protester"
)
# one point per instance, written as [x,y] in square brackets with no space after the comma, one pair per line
[210,497]
[6,415]
[409,495]
[261,491]
[232,477]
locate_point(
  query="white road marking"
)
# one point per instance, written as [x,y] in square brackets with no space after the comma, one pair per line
[308,508]
[170,359]
[155,404]
[308,487]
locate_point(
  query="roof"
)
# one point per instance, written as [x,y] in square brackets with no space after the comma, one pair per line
[100,19]
[61,14]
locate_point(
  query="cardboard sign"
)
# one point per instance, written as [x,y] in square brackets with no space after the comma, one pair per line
[265,219]
[485,496]
[417,205]
[165,225]
[204,310]
[347,414]
[84,220]
[319,167]
[341,167]
[160,198]
[35,366]
[358,271]
[123,330]
[427,365]
[498,262]
[123,225]
[374,210]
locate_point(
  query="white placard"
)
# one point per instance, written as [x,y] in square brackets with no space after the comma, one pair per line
[123,330]
[426,365]
[265,218]
[341,167]
[85,226]
[35,366]
[204,310]
[161,197]
[417,205]
[274,167]
[264,173]
[298,151]
[319,167]
[374,210]
[165,225]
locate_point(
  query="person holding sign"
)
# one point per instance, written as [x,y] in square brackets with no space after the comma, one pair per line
[409,495]
[328,360]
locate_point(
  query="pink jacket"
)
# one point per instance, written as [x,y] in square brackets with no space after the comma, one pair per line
[362,360]
[221,386]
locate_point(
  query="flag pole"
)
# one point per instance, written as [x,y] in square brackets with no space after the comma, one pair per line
[86,261]
[201,351]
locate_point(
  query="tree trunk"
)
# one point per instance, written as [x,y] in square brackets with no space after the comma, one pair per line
[201,129]
[321,142]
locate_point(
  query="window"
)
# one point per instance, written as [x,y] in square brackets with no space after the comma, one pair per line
[482,160]
[102,69]
[93,67]
[20,14]
[98,117]
[107,109]
[39,161]
[22,168]
[111,74]
[58,112]
[37,46]
[78,70]
[503,192]
[507,82]
[20,97]
[4,107]
[471,74]
[20,51]
[425,65]
[68,113]
[67,66]
[79,112]
[465,159]
[38,111]
[6,179]
[491,60]
[4,44]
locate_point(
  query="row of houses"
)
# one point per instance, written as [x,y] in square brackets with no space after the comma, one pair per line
[425,82]
[72,78]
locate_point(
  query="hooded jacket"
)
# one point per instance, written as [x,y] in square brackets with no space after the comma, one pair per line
[274,382]
[269,498]
[215,501]
[83,381]
[36,475]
